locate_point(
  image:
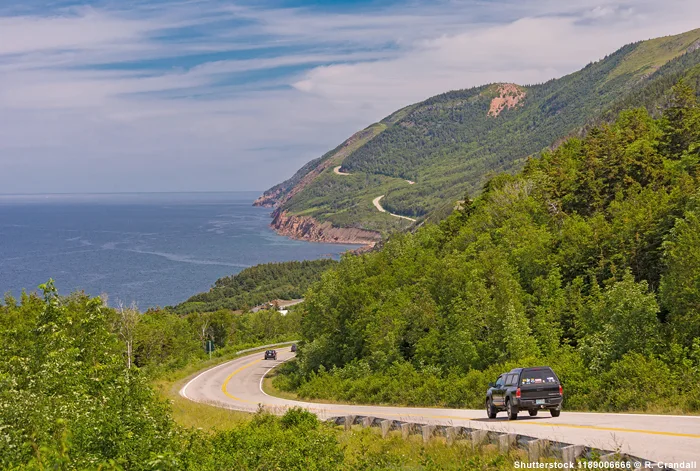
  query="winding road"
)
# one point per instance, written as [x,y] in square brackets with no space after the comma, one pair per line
[379,206]
[376,202]
[237,385]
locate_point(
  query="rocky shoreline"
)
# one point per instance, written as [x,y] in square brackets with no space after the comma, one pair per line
[309,229]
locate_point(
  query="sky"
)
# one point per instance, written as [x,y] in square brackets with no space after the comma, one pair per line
[219,95]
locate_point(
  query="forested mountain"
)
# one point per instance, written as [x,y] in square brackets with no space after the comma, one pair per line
[257,285]
[424,157]
[587,260]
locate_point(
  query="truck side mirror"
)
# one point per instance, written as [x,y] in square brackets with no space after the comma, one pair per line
[492,385]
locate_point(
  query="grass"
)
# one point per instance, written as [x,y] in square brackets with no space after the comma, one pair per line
[269,388]
[192,414]
[365,449]
[652,54]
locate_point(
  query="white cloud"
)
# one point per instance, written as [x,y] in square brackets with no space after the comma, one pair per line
[113,99]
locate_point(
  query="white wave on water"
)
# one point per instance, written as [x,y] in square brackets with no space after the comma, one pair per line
[187,259]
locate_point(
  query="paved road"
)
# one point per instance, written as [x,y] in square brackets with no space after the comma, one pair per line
[237,385]
[376,202]
[338,172]
[379,206]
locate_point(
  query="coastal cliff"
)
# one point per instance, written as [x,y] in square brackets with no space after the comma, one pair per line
[308,228]
[268,200]
[279,194]
[453,143]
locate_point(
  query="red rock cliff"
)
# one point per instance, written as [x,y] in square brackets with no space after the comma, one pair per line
[307,228]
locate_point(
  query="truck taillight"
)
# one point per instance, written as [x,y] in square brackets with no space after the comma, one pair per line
[561,390]
[517,393]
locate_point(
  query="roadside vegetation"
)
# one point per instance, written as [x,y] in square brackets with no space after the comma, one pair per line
[70,401]
[588,260]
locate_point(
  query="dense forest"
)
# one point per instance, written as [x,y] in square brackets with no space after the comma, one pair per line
[588,260]
[71,399]
[452,143]
[257,285]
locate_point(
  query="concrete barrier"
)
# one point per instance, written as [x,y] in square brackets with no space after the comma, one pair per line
[478,437]
[427,431]
[569,454]
[386,426]
[536,448]
[452,434]
[367,421]
[507,441]
[349,421]
[406,430]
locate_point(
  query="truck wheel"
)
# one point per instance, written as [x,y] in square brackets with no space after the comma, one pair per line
[532,412]
[511,410]
[490,410]
[555,412]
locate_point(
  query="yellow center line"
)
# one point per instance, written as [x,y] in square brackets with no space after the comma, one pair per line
[224,389]
[617,429]
[546,424]
[224,386]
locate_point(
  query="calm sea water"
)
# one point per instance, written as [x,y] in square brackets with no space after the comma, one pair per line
[152,249]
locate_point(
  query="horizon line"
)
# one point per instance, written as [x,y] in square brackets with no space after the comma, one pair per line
[130,193]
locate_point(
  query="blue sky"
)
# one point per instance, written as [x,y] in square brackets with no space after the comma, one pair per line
[218,95]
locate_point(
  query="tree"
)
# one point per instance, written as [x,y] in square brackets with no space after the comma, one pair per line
[517,337]
[127,320]
[626,321]
[680,286]
[680,121]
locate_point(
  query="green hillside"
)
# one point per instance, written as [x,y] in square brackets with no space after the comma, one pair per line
[587,260]
[257,285]
[453,142]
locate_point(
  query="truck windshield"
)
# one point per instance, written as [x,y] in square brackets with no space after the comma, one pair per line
[538,376]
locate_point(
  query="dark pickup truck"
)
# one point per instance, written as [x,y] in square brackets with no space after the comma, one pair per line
[271,355]
[528,389]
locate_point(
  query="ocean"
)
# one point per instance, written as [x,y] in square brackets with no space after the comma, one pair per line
[154,249]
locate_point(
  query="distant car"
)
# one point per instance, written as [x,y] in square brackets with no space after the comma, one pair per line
[271,355]
[294,347]
[528,389]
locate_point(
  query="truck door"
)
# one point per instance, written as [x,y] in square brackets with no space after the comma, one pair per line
[498,393]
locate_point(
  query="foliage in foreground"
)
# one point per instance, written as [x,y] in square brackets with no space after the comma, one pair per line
[68,401]
[64,381]
[588,260]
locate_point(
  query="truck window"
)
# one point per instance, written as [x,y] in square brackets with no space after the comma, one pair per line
[511,380]
[538,376]
[499,381]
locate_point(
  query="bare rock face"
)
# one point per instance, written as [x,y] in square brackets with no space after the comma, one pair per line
[694,47]
[307,228]
[509,96]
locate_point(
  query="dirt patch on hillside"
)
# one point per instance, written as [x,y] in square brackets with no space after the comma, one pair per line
[509,96]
